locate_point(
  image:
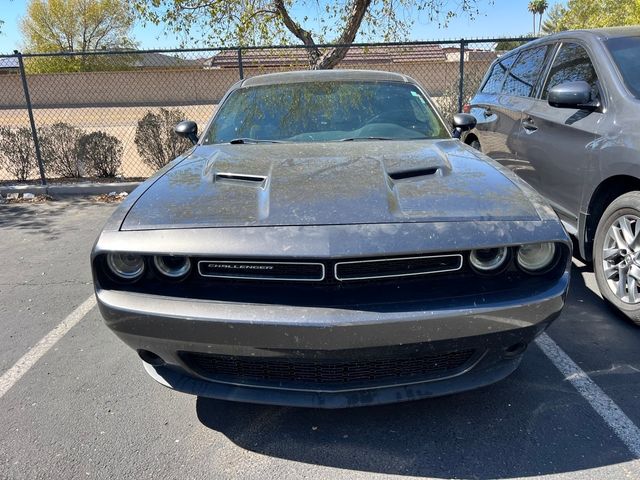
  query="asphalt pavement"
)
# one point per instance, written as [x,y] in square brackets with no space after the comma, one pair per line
[81,406]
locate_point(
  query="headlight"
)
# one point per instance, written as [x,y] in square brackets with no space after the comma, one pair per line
[536,257]
[126,265]
[488,259]
[172,266]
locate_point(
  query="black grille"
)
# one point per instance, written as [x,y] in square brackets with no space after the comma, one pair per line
[337,373]
[300,271]
[397,267]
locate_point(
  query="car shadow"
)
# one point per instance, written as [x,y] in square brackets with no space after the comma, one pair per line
[532,423]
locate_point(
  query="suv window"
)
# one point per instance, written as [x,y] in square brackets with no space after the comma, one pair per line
[498,72]
[522,78]
[572,64]
[626,53]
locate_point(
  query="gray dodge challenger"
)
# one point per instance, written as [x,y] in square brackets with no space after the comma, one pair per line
[327,243]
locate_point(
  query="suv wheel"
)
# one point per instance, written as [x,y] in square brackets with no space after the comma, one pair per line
[616,259]
[475,144]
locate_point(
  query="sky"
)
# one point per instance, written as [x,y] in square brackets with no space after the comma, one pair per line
[498,19]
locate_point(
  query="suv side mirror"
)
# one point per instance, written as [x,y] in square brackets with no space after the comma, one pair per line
[572,95]
[187,129]
[463,122]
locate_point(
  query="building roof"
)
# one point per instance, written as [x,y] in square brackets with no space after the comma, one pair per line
[284,57]
[9,62]
[160,60]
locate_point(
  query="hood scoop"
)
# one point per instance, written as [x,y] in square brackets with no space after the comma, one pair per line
[257,180]
[412,173]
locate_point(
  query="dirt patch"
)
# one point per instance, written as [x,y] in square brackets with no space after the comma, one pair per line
[111,197]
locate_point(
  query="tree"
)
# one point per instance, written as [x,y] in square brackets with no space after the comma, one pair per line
[76,26]
[256,22]
[537,7]
[542,7]
[504,45]
[532,9]
[554,22]
[600,13]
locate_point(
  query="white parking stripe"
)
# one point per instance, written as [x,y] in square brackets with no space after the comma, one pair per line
[22,366]
[617,420]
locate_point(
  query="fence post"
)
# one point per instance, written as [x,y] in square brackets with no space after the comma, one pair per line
[240,69]
[34,132]
[461,82]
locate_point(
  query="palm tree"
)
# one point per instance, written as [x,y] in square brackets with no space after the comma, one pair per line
[542,6]
[555,20]
[532,9]
[537,7]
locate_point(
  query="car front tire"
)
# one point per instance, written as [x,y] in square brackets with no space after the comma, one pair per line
[616,259]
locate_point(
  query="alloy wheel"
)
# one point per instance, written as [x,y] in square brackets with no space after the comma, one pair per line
[621,258]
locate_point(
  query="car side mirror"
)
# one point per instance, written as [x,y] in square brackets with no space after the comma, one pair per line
[572,95]
[187,129]
[463,122]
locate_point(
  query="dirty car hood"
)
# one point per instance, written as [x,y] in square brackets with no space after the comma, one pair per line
[329,184]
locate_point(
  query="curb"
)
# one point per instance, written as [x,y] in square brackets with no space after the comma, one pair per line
[71,189]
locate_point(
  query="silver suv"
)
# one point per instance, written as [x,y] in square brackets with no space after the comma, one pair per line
[562,113]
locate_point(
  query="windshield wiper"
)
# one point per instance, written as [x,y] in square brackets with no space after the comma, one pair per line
[236,141]
[355,139]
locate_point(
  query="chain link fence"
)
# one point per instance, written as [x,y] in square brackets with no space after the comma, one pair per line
[109,116]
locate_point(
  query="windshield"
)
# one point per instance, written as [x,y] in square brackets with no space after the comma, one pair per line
[325,111]
[626,54]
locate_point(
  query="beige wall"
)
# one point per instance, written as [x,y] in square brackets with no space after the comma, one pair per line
[182,87]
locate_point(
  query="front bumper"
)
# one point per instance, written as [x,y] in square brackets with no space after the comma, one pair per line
[168,327]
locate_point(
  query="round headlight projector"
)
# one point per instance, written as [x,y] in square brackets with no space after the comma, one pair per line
[172,266]
[488,259]
[536,257]
[127,266]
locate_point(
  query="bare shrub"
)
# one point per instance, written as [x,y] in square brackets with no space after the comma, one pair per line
[101,154]
[59,144]
[17,152]
[155,139]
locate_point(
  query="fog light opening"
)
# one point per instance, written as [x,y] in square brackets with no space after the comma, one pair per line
[150,358]
[515,349]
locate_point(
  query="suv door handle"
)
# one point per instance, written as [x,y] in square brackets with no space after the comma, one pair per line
[529,125]
[487,112]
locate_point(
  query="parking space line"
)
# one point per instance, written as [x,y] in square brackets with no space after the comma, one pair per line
[613,416]
[22,366]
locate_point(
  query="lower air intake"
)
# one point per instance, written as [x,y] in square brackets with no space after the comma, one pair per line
[302,373]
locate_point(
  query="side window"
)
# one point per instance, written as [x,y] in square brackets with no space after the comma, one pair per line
[496,77]
[571,64]
[524,74]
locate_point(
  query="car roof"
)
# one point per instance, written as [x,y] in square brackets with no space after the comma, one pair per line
[590,34]
[324,76]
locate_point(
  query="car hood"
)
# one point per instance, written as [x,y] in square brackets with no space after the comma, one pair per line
[329,184]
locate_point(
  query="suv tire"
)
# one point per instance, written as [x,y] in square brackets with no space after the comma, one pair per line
[616,255]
